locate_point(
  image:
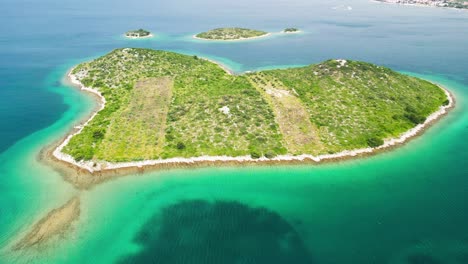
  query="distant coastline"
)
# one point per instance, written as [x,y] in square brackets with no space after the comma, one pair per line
[460,5]
[91,173]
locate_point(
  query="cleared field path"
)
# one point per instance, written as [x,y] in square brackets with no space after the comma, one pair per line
[299,134]
[137,131]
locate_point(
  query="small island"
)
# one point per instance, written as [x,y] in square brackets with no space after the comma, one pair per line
[159,108]
[291,30]
[139,33]
[231,34]
[460,4]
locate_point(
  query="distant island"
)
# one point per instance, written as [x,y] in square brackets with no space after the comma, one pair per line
[291,30]
[231,34]
[139,33]
[160,107]
[460,4]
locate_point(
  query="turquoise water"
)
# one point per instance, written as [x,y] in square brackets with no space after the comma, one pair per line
[404,206]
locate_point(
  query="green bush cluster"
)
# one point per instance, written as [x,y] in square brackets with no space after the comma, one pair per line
[374,142]
[413,115]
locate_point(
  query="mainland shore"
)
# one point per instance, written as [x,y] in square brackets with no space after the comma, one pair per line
[417,5]
[86,174]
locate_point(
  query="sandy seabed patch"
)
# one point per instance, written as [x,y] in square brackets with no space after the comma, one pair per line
[56,222]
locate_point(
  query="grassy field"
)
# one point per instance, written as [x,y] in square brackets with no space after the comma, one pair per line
[230,34]
[163,104]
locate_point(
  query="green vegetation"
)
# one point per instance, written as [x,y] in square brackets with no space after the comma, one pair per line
[290,30]
[137,33]
[374,142]
[354,104]
[162,104]
[209,112]
[231,34]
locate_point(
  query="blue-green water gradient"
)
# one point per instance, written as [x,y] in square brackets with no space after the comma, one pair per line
[403,206]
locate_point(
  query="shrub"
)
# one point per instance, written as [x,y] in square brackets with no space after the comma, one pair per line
[255,155]
[169,137]
[375,142]
[270,155]
[180,146]
[415,118]
[98,134]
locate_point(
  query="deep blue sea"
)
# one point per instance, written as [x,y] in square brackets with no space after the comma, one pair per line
[409,205]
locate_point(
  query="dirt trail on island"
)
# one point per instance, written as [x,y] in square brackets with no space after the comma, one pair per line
[137,131]
[56,222]
[299,134]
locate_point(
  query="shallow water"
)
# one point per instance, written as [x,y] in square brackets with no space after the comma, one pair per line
[403,206]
